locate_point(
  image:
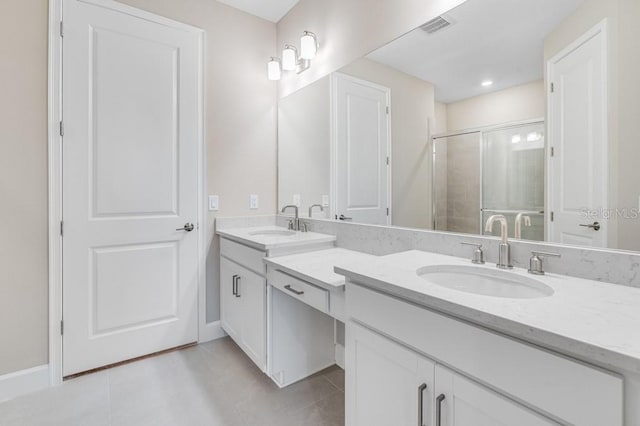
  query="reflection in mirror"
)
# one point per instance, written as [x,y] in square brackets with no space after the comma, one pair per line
[525,108]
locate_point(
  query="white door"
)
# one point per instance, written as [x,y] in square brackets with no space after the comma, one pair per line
[386,384]
[578,139]
[251,290]
[461,402]
[361,181]
[230,310]
[130,155]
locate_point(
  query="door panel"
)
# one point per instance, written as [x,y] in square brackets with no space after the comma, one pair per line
[362,143]
[578,179]
[130,157]
[385,381]
[230,310]
[252,290]
[467,403]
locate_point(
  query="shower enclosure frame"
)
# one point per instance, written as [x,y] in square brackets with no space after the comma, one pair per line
[480,131]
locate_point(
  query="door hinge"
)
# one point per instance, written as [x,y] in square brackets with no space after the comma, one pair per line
[553,151]
[387,211]
[61,128]
[552,88]
[62,228]
[61,327]
[552,216]
[61,29]
[387,110]
[387,161]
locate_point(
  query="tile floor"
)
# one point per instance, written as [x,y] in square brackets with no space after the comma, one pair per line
[212,384]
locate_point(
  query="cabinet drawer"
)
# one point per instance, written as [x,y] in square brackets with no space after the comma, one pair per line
[243,255]
[313,296]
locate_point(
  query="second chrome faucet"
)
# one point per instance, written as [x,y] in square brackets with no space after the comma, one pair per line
[504,251]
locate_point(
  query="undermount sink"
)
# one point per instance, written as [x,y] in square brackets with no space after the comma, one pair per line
[485,281]
[273,232]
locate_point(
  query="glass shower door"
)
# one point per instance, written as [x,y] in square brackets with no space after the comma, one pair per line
[513,178]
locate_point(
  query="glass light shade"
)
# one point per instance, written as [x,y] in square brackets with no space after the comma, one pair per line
[289,58]
[274,71]
[308,45]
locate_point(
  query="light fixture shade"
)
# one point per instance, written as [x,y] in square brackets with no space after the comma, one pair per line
[274,70]
[308,45]
[289,58]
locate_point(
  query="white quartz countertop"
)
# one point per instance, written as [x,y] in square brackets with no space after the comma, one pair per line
[316,267]
[590,320]
[266,237]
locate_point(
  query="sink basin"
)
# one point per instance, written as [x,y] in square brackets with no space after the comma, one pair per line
[485,281]
[273,232]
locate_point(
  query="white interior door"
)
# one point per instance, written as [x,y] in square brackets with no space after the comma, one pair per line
[361,182]
[578,137]
[130,162]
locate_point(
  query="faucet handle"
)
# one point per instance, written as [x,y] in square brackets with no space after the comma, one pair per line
[535,263]
[478,255]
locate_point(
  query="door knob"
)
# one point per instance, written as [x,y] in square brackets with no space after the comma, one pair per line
[188,227]
[595,226]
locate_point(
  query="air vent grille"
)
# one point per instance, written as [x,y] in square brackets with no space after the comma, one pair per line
[435,25]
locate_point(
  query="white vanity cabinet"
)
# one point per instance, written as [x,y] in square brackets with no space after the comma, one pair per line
[387,384]
[243,298]
[473,376]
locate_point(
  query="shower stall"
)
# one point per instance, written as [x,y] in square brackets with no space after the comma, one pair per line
[494,170]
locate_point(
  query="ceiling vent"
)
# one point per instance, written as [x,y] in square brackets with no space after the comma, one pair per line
[435,25]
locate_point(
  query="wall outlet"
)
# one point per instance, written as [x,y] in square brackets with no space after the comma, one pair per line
[213,202]
[325,201]
[253,201]
[296,200]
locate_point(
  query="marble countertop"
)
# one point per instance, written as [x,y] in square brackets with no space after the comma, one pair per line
[316,267]
[589,320]
[263,237]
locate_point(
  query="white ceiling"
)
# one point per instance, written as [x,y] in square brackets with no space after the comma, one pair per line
[271,10]
[497,40]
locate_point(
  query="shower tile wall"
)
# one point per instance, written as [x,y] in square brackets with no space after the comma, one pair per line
[463,183]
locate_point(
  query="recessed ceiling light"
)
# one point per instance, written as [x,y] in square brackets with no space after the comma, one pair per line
[487,83]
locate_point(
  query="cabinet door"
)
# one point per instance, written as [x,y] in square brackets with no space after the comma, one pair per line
[230,308]
[387,384]
[251,291]
[463,402]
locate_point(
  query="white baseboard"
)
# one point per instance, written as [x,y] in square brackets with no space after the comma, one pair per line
[22,382]
[211,331]
[340,355]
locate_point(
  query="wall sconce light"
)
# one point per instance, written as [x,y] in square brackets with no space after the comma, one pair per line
[308,45]
[291,61]
[274,70]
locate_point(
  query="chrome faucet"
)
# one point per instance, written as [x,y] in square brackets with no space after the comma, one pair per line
[296,219]
[527,222]
[311,209]
[504,251]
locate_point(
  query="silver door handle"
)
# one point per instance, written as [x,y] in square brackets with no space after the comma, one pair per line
[421,390]
[233,285]
[293,290]
[595,226]
[188,227]
[238,286]
[343,217]
[439,400]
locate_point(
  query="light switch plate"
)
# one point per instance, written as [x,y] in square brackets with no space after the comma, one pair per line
[325,201]
[296,200]
[214,201]
[253,201]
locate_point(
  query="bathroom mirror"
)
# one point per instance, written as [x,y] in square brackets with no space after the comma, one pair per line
[525,108]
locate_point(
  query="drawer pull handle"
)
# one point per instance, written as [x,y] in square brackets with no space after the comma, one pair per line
[421,390]
[293,290]
[233,285]
[238,286]
[439,400]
